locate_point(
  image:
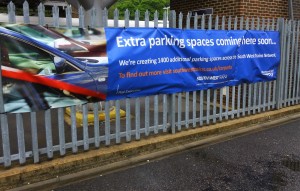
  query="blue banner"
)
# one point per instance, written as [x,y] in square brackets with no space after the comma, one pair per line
[148,61]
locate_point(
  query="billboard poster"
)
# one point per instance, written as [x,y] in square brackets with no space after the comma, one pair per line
[148,61]
[43,69]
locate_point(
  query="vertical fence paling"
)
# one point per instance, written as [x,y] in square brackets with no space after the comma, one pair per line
[74,129]
[280,77]
[81,12]
[147,116]
[41,14]
[96,125]
[69,16]
[107,123]
[85,127]
[11,8]
[49,139]
[55,15]
[179,111]
[165,113]
[156,116]
[21,139]
[297,84]
[278,71]
[287,67]
[61,131]
[137,119]
[241,100]
[26,12]
[292,63]
[194,108]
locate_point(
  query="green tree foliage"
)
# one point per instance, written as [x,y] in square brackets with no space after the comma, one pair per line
[141,5]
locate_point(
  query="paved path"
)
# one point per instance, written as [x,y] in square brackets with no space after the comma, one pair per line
[264,160]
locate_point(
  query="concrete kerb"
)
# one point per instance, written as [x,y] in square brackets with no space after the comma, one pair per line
[95,162]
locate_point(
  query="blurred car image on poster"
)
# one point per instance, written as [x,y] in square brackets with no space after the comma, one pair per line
[36,76]
[88,45]
[91,36]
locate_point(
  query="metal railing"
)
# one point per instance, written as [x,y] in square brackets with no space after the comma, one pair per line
[46,134]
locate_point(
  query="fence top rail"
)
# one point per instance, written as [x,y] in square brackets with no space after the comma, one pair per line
[167,19]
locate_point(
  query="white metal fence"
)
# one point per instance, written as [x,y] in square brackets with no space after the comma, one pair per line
[46,134]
